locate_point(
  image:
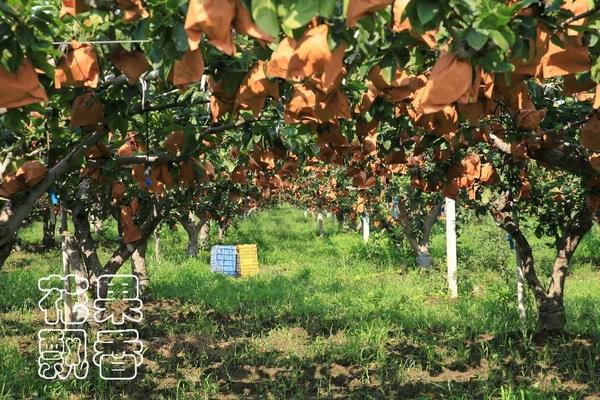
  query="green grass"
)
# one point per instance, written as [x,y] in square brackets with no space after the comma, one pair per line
[327,317]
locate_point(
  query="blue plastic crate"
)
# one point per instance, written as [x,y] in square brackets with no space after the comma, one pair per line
[223,259]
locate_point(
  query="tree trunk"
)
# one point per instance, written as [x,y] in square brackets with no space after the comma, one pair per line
[520,288]
[87,246]
[423,256]
[520,283]
[222,230]
[72,265]
[138,269]
[551,309]
[320,229]
[121,254]
[419,246]
[193,245]
[193,230]
[339,216]
[48,240]
[5,250]
[204,234]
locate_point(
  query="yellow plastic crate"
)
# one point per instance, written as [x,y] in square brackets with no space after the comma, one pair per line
[247,259]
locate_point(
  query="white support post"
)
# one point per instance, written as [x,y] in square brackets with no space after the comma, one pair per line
[520,280]
[365,227]
[451,246]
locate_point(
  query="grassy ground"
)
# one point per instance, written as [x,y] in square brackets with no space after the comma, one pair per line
[326,318]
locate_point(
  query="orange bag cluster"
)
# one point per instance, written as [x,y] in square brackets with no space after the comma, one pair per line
[131,63]
[311,58]
[188,69]
[547,59]
[131,233]
[132,10]
[28,175]
[215,19]
[117,192]
[72,7]
[175,142]
[450,80]
[20,88]
[239,175]
[314,107]
[470,172]
[590,134]
[401,24]
[221,101]
[401,88]
[87,110]
[357,9]
[255,88]
[79,67]
[187,175]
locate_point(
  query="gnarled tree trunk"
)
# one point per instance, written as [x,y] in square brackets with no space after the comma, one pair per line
[420,246]
[48,240]
[320,228]
[205,235]
[197,233]
[119,257]
[550,302]
[223,225]
[138,269]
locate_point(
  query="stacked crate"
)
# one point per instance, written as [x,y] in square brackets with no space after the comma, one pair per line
[223,259]
[247,259]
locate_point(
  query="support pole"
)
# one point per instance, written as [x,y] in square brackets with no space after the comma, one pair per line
[451,246]
[365,227]
[520,280]
[65,249]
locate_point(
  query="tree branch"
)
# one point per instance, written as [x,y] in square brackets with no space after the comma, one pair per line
[553,158]
[11,218]
[579,16]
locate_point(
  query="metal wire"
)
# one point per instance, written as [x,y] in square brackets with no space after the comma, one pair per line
[103,41]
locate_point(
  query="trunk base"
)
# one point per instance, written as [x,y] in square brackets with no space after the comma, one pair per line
[424,260]
[551,316]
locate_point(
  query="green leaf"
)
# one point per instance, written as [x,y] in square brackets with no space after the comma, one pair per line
[295,14]
[326,7]
[179,38]
[500,41]
[40,60]
[492,20]
[427,10]
[387,144]
[477,38]
[508,34]
[264,13]
[388,69]
[485,196]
